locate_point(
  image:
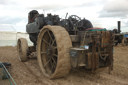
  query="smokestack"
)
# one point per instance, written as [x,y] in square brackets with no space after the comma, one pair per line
[119,25]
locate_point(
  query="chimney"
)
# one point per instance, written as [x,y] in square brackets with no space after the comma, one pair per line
[119,25]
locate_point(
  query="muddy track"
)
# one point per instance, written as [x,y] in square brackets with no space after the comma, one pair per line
[28,73]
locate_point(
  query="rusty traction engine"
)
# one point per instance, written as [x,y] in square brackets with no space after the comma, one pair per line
[63,44]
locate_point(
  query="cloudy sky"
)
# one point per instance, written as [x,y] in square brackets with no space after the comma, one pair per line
[102,13]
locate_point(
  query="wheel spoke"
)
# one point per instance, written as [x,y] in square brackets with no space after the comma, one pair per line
[47,62]
[55,55]
[53,65]
[54,47]
[53,42]
[54,61]
[49,35]
[45,41]
[50,42]
[43,52]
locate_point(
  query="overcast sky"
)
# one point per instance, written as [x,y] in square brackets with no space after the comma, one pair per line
[102,13]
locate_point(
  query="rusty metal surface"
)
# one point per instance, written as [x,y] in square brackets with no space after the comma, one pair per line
[100,52]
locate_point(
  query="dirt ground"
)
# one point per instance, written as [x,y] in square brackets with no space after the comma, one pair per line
[28,73]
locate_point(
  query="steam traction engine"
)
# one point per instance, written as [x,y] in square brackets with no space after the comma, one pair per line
[62,44]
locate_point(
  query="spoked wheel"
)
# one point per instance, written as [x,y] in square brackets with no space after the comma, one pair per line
[53,51]
[22,47]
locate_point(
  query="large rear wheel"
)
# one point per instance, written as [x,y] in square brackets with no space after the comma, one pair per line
[53,46]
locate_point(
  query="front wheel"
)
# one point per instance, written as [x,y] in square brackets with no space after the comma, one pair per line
[22,48]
